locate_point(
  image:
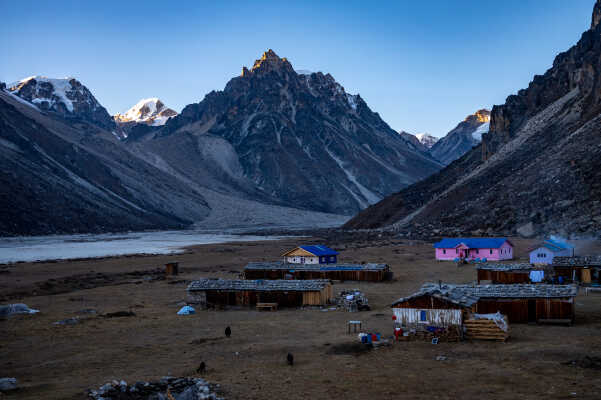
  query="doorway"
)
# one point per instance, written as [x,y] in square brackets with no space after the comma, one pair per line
[531,310]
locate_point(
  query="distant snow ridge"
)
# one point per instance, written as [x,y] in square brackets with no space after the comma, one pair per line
[426,139]
[149,111]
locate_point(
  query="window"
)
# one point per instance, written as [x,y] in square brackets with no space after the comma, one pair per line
[477,251]
[333,258]
[456,251]
[490,251]
[422,316]
[444,251]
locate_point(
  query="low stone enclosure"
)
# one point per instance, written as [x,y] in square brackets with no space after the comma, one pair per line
[246,293]
[340,272]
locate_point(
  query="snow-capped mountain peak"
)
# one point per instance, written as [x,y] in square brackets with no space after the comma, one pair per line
[150,111]
[64,96]
[51,91]
[426,139]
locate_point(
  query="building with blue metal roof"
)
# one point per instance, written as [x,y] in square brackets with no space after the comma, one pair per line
[545,252]
[311,254]
[478,249]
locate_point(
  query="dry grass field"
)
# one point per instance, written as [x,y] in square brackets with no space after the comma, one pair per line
[62,361]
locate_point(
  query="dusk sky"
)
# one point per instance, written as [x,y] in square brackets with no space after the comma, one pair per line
[423,66]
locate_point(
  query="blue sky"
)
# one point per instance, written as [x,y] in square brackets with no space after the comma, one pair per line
[423,66]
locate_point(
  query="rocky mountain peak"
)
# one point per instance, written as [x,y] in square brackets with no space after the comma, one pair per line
[462,138]
[66,97]
[293,135]
[479,116]
[268,62]
[596,15]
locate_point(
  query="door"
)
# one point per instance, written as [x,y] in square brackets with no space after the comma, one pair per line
[531,310]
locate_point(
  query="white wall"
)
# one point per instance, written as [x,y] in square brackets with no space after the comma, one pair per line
[542,255]
[302,260]
[438,317]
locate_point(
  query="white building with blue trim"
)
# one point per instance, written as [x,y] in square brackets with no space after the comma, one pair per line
[549,249]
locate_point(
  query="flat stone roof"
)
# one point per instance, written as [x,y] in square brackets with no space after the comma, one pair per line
[258,285]
[578,261]
[505,267]
[279,265]
[468,295]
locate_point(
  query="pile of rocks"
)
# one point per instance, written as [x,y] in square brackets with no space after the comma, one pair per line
[179,389]
[352,300]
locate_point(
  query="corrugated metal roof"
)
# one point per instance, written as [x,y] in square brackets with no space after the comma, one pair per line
[472,243]
[553,245]
[579,261]
[278,265]
[320,250]
[505,267]
[559,244]
[468,295]
[258,285]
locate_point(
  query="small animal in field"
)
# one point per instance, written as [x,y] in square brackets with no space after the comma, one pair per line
[290,359]
[201,368]
[228,331]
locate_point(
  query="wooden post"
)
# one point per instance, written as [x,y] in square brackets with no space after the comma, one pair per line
[171,269]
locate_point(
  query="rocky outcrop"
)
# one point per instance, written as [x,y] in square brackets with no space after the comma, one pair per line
[579,68]
[462,138]
[538,170]
[66,97]
[596,15]
[294,139]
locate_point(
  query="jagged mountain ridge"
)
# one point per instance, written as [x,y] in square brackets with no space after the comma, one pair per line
[536,172]
[461,139]
[299,139]
[85,178]
[57,176]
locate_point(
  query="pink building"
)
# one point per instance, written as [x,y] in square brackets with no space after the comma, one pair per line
[485,249]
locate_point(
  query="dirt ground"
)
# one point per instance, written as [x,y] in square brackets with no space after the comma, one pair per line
[62,361]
